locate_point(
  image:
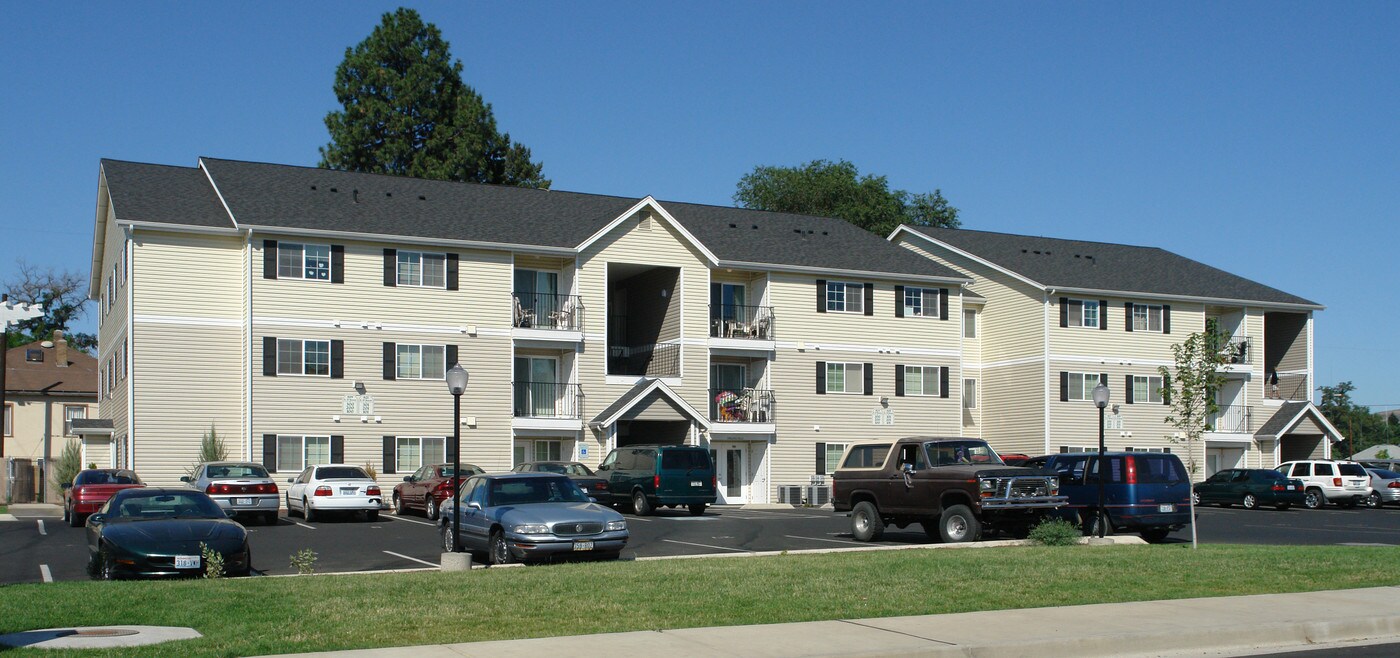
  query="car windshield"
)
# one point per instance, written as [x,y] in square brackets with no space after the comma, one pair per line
[145,506]
[529,491]
[341,473]
[1384,474]
[236,471]
[1351,469]
[107,477]
[687,459]
[563,469]
[946,453]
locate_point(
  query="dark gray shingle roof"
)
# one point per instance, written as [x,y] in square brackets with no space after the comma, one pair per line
[1277,422]
[1062,263]
[163,194]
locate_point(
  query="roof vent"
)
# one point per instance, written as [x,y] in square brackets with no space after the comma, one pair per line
[334,190]
[825,233]
[313,187]
[1023,251]
[422,198]
[733,226]
[388,194]
[34,356]
[356,195]
[755,227]
[797,231]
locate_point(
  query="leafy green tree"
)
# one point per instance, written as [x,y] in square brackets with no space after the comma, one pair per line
[69,462]
[407,112]
[1190,387]
[837,189]
[211,447]
[62,295]
[1362,428]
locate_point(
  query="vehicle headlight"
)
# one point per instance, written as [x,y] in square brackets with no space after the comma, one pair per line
[619,524]
[987,484]
[1053,485]
[530,529]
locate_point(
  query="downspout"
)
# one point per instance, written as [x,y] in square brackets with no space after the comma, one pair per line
[1045,375]
[128,248]
[248,346]
[48,450]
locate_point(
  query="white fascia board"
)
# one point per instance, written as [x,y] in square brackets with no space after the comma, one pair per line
[409,239]
[657,385]
[99,235]
[1318,416]
[648,202]
[178,228]
[831,271]
[968,255]
[1190,298]
[210,177]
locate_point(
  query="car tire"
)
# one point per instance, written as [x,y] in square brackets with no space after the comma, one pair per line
[449,543]
[372,515]
[270,518]
[247,569]
[399,509]
[1196,498]
[75,519]
[866,524]
[957,524]
[697,509]
[1155,535]
[500,551]
[640,504]
[65,512]
[430,508]
[1250,501]
[94,565]
[1282,507]
[109,566]
[306,511]
[289,504]
[1091,525]
[1373,501]
[1313,499]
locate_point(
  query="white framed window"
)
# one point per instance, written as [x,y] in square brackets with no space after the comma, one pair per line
[1081,385]
[549,451]
[921,380]
[422,269]
[845,378]
[921,302]
[72,412]
[1083,313]
[1147,389]
[9,419]
[111,290]
[1132,449]
[1147,318]
[832,456]
[845,297]
[111,374]
[295,453]
[303,357]
[969,393]
[303,261]
[414,452]
[1064,449]
[969,323]
[422,361]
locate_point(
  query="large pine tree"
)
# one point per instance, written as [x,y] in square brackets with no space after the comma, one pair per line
[406,111]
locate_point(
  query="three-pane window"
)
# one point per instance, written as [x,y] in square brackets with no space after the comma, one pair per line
[414,452]
[303,261]
[1147,318]
[303,357]
[921,380]
[1147,389]
[845,378]
[422,361]
[295,453]
[842,297]
[1081,385]
[71,412]
[421,269]
[921,302]
[1082,313]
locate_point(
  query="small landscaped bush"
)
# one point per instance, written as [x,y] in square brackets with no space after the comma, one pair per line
[1055,532]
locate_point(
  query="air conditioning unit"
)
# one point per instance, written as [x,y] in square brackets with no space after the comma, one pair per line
[791,495]
[818,495]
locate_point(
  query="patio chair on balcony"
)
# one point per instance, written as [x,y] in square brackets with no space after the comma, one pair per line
[523,317]
[762,406]
[561,317]
[760,328]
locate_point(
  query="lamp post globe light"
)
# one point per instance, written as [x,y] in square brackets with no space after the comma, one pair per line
[456,385]
[1101,400]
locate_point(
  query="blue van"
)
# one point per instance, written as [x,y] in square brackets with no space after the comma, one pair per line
[1146,492]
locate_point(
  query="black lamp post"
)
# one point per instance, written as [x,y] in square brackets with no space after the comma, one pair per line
[1101,401]
[457,385]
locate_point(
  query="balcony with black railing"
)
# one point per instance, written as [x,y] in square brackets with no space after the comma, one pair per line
[663,360]
[547,400]
[538,310]
[736,321]
[741,405]
[1233,419]
[1238,350]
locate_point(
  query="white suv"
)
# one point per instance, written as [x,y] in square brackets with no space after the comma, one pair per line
[1326,481]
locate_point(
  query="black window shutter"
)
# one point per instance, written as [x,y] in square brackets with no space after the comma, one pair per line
[821,377]
[1127,316]
[451,450]
[269,356]
[899,380]
[870,299]
[1064,311]
[1064,386]
[270,452]
[899,301]
[390,454]
[337,449]
[943,303]
[942,382]
[1103,378]
[1166,390]
[337,359]
[821,458]
[452,272]
[869,372]
[716,298]
[391,356]
[337,263]
[821,295]
[1167,319]
[269,259]
[1103,314]
[391,265]
[451,356]
[1128,387]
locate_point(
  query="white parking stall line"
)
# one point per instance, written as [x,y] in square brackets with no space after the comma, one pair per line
[834,541]
[308,527]
[400,518]
[414,559]
[45,573]
[722,548]
[42,529]
[638,518]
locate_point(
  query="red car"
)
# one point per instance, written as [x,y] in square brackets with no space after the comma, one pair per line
[91,488]
[428,487]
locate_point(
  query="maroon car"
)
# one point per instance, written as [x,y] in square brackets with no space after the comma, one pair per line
[587,480]
[91,488]
[428,487]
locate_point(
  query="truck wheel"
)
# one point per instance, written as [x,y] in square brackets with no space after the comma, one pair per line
[865,522]
[640,504]
[958,524]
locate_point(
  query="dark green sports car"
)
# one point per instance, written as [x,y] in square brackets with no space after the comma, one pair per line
[161,533]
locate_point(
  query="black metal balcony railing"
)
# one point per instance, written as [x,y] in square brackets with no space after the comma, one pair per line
[538,310]
[1291,387]
[1238,350]
[547,400]
[734,321]
[662,360]
[741,405]
[1235,418]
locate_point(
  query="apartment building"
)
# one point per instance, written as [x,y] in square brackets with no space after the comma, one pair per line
[1048,319]
[309,316]
[50,392]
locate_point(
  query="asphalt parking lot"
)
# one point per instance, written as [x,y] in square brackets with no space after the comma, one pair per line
[40,548]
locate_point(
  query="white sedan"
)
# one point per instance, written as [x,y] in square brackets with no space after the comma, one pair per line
[333,488]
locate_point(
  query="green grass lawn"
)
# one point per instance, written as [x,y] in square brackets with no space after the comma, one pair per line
[278,615]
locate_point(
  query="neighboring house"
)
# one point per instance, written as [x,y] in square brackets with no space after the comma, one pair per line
[1391,450]
[309,315]
[1054,317]
[48,386]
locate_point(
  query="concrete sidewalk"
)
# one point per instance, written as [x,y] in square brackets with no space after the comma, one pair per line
[1179,627]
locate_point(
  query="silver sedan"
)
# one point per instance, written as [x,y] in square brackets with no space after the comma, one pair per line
[241,489]
[1385,487]
[529,517]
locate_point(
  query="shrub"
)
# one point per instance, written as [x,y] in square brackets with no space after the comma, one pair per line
[213,561]
[305,561]
[70,461]
[1055,532]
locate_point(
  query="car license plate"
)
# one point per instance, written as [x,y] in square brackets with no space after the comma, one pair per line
[696,483]
[1290,488]
[186,561]
[1166,507]
[242,501]
[583,545]
[348,491]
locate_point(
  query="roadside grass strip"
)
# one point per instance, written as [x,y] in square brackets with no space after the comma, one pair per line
[257,616]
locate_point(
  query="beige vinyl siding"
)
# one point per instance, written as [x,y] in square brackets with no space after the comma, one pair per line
[1013,408]
[112,331]
[97,451]
[1115,342]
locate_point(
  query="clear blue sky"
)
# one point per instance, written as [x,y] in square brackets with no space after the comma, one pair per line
[1259,137]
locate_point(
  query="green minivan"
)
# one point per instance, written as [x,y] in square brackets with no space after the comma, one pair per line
[651,476]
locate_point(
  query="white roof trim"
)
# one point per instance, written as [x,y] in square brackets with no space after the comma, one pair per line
[648,201]
[967,255]
[859,274]
[208,175]
[99,235]
[656,385]
[1190,298]
[1317,416]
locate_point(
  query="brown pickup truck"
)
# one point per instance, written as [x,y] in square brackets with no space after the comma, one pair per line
[953,487]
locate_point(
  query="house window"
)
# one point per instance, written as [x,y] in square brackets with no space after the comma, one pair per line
[303,357]
[1081,385]
[420,269]
[844,297]
[111,290]
[70,413]
[9,419]
[832,456]
[548,451]
[1147,318]
[1147,389]
[414,452]
[969,324]
[303,261]
[1064,449]
[921,302]
[845,378]
[297,452]
[921,380]
[422,361]
[1082,313]
[969,394]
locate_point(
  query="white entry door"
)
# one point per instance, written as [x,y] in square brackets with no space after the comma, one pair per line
[731,472]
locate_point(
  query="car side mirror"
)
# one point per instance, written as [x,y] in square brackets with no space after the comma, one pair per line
[66,485]
[602,467]
[186,478]
[291,480]
[473,505]
[408,478]
[97,519]
[906,467]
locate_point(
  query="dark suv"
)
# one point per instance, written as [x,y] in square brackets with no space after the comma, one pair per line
[1146,492]
[650,476]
